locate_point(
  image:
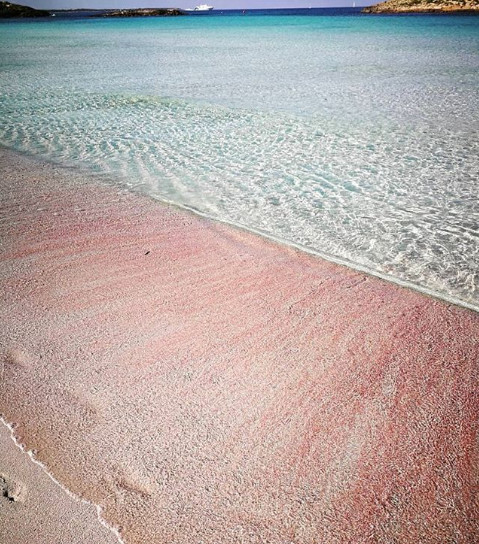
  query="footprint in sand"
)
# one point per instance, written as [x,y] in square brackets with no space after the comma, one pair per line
[14,361]
[12,490]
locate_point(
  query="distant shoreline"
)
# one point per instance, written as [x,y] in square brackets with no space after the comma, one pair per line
[442,11]
[423,6]
[144,12]
[17,11]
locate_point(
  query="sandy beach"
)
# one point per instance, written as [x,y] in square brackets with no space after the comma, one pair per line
[35,509]
[204,385]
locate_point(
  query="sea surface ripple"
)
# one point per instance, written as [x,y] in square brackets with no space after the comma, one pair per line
[356,137]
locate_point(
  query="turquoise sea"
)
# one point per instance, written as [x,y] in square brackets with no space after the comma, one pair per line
[353,136]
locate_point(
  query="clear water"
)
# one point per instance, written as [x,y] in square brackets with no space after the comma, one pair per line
[354,136]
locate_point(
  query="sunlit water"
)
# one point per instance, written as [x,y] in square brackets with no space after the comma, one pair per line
[354,136]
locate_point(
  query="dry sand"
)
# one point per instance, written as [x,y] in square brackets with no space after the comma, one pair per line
[204,385]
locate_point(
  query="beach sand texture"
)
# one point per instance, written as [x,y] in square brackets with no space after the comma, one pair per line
[35,510]
[205,385]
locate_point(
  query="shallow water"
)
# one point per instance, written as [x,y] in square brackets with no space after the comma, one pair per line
[354,136]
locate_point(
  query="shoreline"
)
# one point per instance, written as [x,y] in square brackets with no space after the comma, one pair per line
[24,509]
[196,381]
[263,234]
[414,11]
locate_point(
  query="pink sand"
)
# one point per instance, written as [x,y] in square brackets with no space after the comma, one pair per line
[204,385]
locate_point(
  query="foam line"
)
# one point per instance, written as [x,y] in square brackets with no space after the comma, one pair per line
[325,256]
[72,495]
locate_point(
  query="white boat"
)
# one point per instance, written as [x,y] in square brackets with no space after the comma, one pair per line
[202,7]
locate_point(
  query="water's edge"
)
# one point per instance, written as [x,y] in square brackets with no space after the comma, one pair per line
[16,440]
[108,179]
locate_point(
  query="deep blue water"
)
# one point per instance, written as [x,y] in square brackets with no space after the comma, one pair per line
[302,12]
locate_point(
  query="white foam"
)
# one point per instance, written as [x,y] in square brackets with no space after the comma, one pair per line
[72,495]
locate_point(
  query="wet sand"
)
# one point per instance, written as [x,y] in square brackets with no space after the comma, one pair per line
[204,385]
[35,509]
